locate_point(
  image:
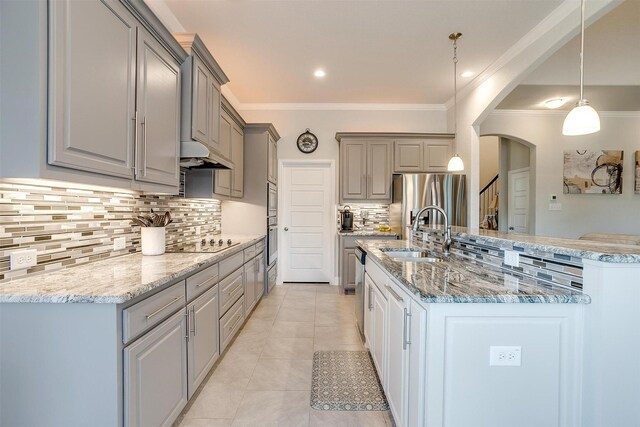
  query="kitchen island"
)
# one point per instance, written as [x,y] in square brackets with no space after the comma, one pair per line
[124,341]
[480,342]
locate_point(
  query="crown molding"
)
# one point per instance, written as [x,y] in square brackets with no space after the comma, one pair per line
[532,113]
[341,107]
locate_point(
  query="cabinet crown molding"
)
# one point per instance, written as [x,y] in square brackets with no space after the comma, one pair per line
[228,108]
[192,43]
[261,127]
[392,135]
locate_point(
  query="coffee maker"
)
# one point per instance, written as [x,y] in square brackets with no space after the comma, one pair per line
[346,219]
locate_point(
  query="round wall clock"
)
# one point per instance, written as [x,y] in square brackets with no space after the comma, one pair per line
[307,142]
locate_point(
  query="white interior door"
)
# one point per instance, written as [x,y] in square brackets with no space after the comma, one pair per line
[518,200]
[308,192]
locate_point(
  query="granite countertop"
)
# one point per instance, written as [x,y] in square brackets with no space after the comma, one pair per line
[585,249]
[465,280]
[112,281]
[368,233]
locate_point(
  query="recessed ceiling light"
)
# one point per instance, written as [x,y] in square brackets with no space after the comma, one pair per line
[467,74]
[555,103]
[319,73]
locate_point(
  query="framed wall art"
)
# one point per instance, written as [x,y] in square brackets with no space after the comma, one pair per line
[637,174]
[593,171]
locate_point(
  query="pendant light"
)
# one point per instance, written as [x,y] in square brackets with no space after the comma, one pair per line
[583,119]
[455,164]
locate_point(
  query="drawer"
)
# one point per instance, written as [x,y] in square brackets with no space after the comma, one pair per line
[378,276]
[230,323]
[249,253]
[259,247]
[231,289]
[149,312]
[231,264]
[200,282]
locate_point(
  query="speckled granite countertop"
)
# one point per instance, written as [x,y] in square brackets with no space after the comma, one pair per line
[464,280]
[585,249]
[367,233]
[112,281]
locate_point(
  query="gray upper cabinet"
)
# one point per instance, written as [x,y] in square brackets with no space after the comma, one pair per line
[353,170]
[92,87]
[157,145]
[237,157]
[424,155]
[272,161]
[202,78]
[365,170]
[222,178]
[379,172]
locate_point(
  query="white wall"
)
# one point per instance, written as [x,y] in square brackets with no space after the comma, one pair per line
[584,213]
[489,149]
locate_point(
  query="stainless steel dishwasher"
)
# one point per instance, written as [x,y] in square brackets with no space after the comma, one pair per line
[360,269]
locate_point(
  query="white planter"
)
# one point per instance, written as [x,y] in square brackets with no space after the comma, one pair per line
[153,240]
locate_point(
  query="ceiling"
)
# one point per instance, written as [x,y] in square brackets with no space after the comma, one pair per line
[373,51]
[612,67]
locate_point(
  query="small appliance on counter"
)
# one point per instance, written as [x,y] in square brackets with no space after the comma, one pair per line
[346,219]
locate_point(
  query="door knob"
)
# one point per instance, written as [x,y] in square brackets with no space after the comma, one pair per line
[511,228]
[286,229]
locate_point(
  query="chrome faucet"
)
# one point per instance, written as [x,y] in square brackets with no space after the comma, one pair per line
[446,244]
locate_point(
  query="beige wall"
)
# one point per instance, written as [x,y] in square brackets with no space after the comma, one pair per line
[489,154]
[581,213]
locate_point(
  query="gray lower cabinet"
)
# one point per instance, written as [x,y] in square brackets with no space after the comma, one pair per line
[204,344]
[365,170]
[92,87]
[230,323]
[249,285]
[347,259]
[349,268]
[260,276]
[158,98]
[155,375]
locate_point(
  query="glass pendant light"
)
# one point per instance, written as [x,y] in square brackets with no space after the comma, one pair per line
[583,119]
[455,164]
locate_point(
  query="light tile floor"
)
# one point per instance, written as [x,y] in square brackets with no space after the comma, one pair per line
[264,379]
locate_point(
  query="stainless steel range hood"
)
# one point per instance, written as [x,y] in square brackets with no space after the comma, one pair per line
[196,155]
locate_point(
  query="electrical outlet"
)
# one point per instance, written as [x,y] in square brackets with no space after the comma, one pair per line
[555,206]
[198,230]
[512,258]
[505,356]
[23,259]
[119,243]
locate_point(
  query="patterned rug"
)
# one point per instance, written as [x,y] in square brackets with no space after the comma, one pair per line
[346,381]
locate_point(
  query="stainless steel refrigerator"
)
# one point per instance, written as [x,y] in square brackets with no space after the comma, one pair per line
[411,192]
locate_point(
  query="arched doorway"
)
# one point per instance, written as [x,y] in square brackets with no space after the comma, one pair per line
[507,184]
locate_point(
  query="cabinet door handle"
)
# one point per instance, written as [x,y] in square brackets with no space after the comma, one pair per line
[370,302]
[188,325]
[149,316]
[194,320]
[406,340]
[209,280]
[394,294]
[143,127]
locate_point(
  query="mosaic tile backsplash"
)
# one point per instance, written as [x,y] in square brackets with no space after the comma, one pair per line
[559,269]
[70,226]
[377,215]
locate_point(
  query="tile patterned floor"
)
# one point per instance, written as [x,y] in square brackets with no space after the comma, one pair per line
[265,377]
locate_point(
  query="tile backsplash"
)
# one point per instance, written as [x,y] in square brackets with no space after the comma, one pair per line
[69,225]
[377,215]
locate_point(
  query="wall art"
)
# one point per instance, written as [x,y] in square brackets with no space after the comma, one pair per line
[593,171]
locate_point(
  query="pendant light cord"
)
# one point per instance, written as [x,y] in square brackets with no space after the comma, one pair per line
[455,87]
[581,50]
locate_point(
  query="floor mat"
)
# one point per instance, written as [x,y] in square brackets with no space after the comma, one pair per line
[346,381]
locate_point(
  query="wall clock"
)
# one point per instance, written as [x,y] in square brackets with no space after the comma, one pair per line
[307,142]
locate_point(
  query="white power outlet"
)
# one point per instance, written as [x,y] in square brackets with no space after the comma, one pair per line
[505,355]
[119,243]
[512,258]
[23,259]
[198,230]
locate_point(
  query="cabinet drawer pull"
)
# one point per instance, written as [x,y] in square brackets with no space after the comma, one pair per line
[207,281]
[394,293]
[149,316]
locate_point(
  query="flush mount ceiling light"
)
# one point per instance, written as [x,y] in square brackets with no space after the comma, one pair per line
[583,119]
[467,74]
[319,73]
[555,103]
[455,164]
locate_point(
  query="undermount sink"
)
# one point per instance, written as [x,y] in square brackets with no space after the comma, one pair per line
[412,256]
